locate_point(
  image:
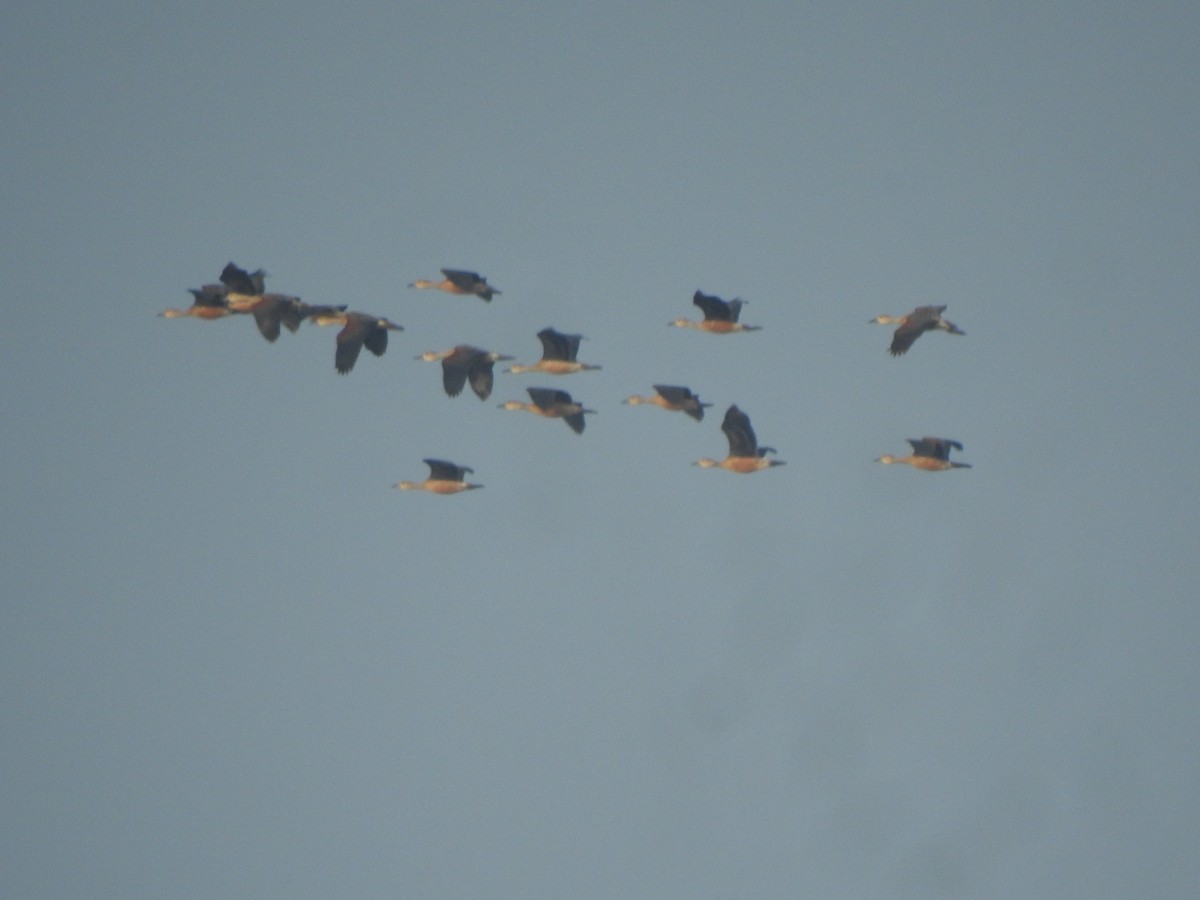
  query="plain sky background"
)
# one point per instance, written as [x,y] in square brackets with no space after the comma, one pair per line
[235,663]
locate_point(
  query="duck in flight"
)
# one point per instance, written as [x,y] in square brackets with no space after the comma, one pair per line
[444,478]
[246,295]
[931,454]
[460,281]
[558,355]
[358,330]
[745,455]
[463,364]
[208,302]
[550,403]
[915,324]
[672,397]
[720,316]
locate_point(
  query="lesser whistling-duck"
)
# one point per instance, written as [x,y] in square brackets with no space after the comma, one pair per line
[932,454]
[358,330]
[745,455]
[558,355]
[466,363]
[460,281]
[673,397]
[720,316]
[552,404]
[208,302]
[915,324]
[246,295]
[444,478]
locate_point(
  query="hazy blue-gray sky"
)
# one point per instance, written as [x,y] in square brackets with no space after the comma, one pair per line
[235,663]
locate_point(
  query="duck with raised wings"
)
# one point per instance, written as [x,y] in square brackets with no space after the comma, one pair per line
[558,355]
[720,316]
[745,455]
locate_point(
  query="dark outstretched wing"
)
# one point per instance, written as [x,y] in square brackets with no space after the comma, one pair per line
[903,338]
[210,295]
[576,422]
[239,281]
[291,312]
[481,377]
[682,398]
[376,339]
[440,470]
[548,398]
[470,282]
[349,343]
[454,374]
[552,346]
[916,323]
[927,313]
[268,316]
[715,309]
[463,279]
[556,345]
[736,426]
[572,343]
[934,447]
[674,394]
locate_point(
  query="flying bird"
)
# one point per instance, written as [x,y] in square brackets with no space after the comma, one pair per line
[932,454]
[745,455]
[460,281]
[673,397]
[358,330]
[558,355]
[246,295]
[720,316]
[208,302]
[463,364]
[552,404]
[915,324]
[444,478]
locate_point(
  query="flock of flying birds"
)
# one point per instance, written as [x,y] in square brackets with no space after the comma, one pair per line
[244,293]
